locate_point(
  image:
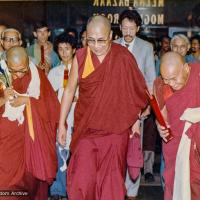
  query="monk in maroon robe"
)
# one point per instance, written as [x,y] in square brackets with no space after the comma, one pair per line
[28,162]
[184,80]
[111,95]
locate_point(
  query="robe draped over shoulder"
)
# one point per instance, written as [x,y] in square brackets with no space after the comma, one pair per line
[18,152]
[187,97]
[111,97]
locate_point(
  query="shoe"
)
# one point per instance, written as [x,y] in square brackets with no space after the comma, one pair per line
[131,198]
[149,178]
[55,197]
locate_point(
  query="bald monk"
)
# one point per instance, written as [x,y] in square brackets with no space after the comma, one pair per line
[112,93]
[182,112]
[29,113]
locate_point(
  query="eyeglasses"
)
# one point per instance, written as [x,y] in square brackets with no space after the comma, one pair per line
[179,47]
[100,42]
[13,40]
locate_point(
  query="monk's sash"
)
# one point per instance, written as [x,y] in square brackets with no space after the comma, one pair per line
[110,97]
[30,120]
[88,67]
[65,77]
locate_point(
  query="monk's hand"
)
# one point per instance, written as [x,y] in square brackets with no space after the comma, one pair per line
[62,134]
[9,93]
[18,100]
[135,128]
[163,131]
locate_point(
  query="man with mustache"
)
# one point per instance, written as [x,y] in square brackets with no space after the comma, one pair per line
[130,22]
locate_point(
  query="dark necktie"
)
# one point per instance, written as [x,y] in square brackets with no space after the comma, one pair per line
[126,45]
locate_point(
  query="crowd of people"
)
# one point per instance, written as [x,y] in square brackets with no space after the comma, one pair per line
[75,118]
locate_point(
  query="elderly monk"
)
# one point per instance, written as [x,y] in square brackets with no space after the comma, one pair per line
[182,113]
[29,113]
[112,93]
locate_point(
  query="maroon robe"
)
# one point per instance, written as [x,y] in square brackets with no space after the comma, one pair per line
[187,97]
[24,162]
[110,99]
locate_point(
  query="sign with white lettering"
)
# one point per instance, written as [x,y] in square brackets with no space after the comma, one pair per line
[151,11]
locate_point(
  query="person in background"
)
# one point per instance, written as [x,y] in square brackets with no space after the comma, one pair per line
[73,32]
[42,33]
[164,47]
[9,38]
[180,44]
[2,28]
[195,48]
[83,37]
[58,77]
[130,22]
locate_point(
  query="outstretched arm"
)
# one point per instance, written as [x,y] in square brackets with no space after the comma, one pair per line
[66,102]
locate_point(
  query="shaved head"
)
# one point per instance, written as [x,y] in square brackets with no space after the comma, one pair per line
[170,61]
[174,70]
[16,55]
[99,21]
[99,35]
[17,61]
